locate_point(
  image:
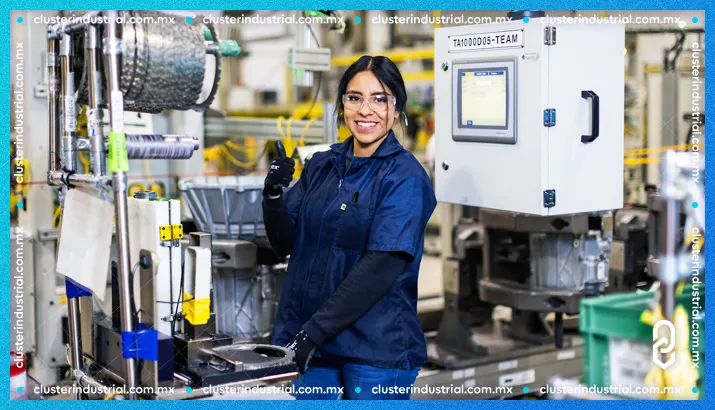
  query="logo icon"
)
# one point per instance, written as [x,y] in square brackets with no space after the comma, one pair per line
[669,341]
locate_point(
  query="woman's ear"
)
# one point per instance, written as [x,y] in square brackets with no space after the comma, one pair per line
[397,117]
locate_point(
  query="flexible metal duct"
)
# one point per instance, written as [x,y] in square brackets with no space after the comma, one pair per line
[163,64]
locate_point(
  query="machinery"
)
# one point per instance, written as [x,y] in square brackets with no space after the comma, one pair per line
[519,129]
[536,148]
[630,250]
[677,225]
[247,275]
[163,329]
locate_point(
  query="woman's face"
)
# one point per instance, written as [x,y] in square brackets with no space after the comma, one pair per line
[371,122]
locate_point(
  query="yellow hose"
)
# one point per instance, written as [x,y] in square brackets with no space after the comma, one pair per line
[280,127]
[301,142]
[226,153]
[290,120]
[147,169]
[236,147]
[85,161]
[57,217]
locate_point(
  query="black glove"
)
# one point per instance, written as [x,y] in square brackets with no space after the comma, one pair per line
[303,348]
[280,174]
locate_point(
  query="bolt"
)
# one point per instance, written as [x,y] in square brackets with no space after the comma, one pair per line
[144,262]
[445,66]
[445,165]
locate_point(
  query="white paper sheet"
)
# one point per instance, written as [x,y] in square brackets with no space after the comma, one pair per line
[86,240]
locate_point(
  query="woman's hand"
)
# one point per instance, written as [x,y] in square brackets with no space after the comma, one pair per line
[280,174]
[304,348]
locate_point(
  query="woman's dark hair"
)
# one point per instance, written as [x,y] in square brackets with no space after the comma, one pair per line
[386,72]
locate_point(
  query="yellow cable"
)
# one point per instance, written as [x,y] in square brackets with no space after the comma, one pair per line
[110,396]
[290,120]
[656,150]
[305,131]
[147,169]
[56,218]
[280,127]
[85,161]
[212,154]
[641,161]
[235,147]
[240,163]
[227,154]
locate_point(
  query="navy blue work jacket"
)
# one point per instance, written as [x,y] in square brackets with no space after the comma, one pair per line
[381,203]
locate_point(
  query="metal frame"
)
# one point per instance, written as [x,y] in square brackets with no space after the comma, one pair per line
[496,370]
[227,127]
[65,144]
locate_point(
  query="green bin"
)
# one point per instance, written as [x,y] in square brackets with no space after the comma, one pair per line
[618,346]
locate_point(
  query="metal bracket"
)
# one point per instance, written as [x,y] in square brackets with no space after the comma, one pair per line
[171,318]
[171,235]
[311,59]
[549,198]
[549,36]
[177,231]
[173,243]
[41,90]
[549,117]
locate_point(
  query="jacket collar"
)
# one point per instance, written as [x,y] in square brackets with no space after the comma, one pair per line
[389,146]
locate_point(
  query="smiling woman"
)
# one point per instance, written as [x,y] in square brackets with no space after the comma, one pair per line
[354,228]
[372,96]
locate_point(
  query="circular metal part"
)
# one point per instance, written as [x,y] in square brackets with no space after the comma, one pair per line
[168,65]
[445,66]
[206,103]
[144,194]
[445,165]
[255,356]
[162,66]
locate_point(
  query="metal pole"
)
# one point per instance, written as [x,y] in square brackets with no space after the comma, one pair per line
[69,124]
[86,380]
[96,135]
[75,341]
[54,108]
[330,124]
[668,271]
[57,178]
[303,40]
[116,121]
[559,330]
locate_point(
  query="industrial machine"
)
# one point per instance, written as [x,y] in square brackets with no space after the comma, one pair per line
[519,128]
[247,275]
[532,150]
[677,225]
[163,329]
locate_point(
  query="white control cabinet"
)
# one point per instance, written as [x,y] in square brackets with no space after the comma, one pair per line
[529,116]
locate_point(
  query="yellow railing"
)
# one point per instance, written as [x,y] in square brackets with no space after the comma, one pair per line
[632,159]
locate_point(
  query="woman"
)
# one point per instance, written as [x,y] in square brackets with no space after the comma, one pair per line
[354,227]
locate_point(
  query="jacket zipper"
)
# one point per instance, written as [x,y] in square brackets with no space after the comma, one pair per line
[320,234]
